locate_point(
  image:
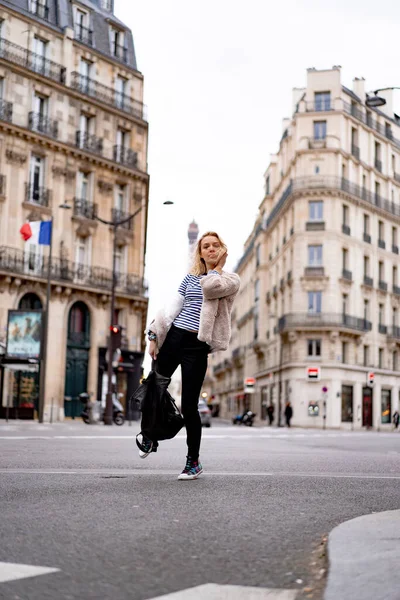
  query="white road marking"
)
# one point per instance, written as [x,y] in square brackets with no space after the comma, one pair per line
[213,591]
[162,472]
[13,571]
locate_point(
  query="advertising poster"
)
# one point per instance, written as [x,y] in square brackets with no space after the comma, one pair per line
[24,333]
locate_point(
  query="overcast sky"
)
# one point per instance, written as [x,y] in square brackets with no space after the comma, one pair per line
[218,77]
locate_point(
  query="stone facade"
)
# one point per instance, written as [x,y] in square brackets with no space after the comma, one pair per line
[319,273]
[73,132]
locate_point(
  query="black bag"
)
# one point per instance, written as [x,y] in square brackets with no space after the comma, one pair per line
[161,418]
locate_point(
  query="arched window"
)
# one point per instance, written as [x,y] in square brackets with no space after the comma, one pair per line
[79,318]
[30,302]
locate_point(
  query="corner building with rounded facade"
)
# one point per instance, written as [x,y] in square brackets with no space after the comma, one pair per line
[73,132]
[320,270]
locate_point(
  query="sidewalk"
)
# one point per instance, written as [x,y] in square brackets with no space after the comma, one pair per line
[364,558]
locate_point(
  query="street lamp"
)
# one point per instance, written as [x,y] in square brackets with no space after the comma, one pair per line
[375,101]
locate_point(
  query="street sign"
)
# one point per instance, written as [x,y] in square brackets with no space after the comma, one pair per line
[370,379]
[313,373]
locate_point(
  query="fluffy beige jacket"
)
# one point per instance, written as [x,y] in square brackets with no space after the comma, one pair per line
[219,292]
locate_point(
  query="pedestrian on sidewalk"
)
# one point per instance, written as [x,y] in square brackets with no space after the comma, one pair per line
[396,419]
[198,322]
[288,413]
[270,413]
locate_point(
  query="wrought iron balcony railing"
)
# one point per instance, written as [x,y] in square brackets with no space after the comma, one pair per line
[84,34]
[13,260]
[39,9]
[355,150]
[107,95]
[85,209]
[42,124]
[346,274]
[396,289]
[119,215]
[37,195]
[314,271]
[382,328]
[383,286]
[29,60]
[394,332]
[368,281]
[378,165]
[366,237]
[381,243]
[125,156]
[6,111]
[395,249]
[89,142]
[2,185]
[346,229]
[323,321]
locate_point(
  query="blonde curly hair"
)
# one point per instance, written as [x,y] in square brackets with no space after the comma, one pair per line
[198,264]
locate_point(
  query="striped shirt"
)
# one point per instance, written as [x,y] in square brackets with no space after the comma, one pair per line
[191,290]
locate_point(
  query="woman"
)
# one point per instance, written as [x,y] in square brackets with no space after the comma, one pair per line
[198,322]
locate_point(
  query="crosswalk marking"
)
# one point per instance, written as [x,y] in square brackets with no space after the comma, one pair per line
[14,571]
[213,591]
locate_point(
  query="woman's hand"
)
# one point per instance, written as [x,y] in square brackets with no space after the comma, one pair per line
[153,349]
[221,261]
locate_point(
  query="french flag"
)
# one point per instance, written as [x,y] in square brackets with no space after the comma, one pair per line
[37,232]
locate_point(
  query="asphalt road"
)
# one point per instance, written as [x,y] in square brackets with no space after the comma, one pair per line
[79,499]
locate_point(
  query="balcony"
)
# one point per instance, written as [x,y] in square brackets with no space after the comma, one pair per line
[368,281]
[396,290]
[355,151]
[29,60]
[346,229]
[37,195]
[42,124]
[381,244]
[90,143]
[84,209]
[282,284]
[275,291]
[125,156]
[367,238]
[302,321]
[120,52]
[107,95]
[393,332]
[316,143]
[289,277]
[347,275]
[396,177]
[315,226]
[6,111]
[383,286]
[119,215]
[13,260]
[39,9]
[319,106]
[395,249]
[84,35]
[382,329]
[378,165]
[314,272]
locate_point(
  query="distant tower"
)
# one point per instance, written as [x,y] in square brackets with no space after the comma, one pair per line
[193,234]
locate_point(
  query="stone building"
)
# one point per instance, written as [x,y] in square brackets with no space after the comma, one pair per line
[73,133]
[318,312]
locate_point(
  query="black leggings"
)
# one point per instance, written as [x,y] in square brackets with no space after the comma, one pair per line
[181,347]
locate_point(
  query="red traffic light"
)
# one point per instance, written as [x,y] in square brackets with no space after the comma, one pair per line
[114,328]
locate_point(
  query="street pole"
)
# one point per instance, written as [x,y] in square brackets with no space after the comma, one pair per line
[43,359]
[280,381]
[108,414]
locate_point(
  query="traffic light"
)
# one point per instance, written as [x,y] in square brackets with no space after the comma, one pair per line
[116,337]
[370,379]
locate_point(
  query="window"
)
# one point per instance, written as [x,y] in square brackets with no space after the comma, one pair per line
[83,186]
[345,352]
[345,214]
[366,356]
[377,151]
[345,303]
[380,358]
[120,260]
[355,150]
[258,255]
[366,310]
[316,210]
[120,198]
[117,43]
[255,324]
[377,190]
[380,314]
[107,5]
[38,120]
[81,253]
[319,130]
[366,224]
[347,403]
[82,24]
[393,164]
[257,290]
[86,127]
[39,8]
[345,259]
[366,266]
[394,275]
[313,347]
[394,317]
[316,169]
[122,145]
[394,236]
[36,178]
[85,68]
[39,55]
[315,256]
[381,271]
[314,302]
[121,86]
[381,230]
[395,361]
[322,101]
[267,186]
[386,406]
[369,118]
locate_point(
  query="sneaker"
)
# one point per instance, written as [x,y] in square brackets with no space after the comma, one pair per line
[192,470]
[145,448]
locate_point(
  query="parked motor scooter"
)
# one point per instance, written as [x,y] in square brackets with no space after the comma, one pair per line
[118,410]
[247,418]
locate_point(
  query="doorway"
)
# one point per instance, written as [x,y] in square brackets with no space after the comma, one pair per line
[77,364]
[367,407]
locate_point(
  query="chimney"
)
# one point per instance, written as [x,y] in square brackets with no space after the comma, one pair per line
[359,88]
